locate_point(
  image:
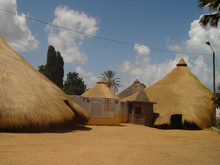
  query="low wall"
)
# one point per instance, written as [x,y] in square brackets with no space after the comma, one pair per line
[103,111]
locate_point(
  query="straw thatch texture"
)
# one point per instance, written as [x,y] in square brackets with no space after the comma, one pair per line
[100,90]
[181,92]
[140,96]
[28,98]
[135,87]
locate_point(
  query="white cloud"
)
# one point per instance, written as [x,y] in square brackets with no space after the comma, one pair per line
[90,82]
[143,70]
[200,65]
[69,42]
[142,50]
[82,72]
[14,29]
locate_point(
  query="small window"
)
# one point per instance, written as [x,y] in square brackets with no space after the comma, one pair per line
[138,110]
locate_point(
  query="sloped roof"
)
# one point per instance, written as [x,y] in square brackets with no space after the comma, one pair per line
[139,97]
[100,90]
[28,98]
[135,87]
[181,92]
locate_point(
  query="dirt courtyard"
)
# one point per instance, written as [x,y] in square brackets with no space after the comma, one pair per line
[127,144]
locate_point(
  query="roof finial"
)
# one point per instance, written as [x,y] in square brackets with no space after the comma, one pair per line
[181,62]
[100,81]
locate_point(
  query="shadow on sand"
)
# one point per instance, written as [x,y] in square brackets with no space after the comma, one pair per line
[53,129]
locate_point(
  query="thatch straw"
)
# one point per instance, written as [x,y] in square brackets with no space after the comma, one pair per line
[181,92]
[100,90]
[132,89]
[28,98]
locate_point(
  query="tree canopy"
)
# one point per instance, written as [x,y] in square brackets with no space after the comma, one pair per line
[74,85]
[111,80]
[213,18]
[54,67]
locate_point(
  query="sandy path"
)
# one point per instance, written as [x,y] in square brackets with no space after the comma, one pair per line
[127,144]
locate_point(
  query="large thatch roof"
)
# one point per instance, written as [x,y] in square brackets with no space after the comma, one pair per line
[28,98]
[181,92]
[100,90]
[135,87]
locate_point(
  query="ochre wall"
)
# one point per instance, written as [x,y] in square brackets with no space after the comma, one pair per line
[104,121]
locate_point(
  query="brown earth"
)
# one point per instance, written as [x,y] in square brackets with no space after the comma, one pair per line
[113,145]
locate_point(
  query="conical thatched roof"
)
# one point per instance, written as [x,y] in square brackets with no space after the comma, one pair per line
[141,96]
[100,90]
[181,92]
[28,98]
[134,88]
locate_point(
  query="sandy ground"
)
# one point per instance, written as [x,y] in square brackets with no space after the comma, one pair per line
[113,145]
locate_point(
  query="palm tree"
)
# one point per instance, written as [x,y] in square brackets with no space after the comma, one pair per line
[111,81]
[212,19]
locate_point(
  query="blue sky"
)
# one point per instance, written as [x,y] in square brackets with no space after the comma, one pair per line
[167,25]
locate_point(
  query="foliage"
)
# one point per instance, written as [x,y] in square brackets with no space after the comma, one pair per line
[213,6]
[218,127]
[111,81]
[74,85]
[41,69]
[143,85]
[59,71]
[53,69]
[216,100]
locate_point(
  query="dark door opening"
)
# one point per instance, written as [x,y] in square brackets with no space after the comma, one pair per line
[176,121]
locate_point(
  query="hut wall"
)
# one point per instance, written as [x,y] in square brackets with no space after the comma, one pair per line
[146,118]
[123,114]
[103,111]
[149,115]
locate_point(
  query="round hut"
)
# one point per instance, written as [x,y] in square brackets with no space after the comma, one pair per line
[101,103]
[132,89]
[29,99]
[182,100]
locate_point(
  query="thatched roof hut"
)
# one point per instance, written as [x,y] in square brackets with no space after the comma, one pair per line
[140,96]
[100,90]
[132,89]
[29,99]
[181,93]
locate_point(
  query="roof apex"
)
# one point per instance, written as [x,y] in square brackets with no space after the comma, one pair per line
[100,81]
[181,62]
[136,81]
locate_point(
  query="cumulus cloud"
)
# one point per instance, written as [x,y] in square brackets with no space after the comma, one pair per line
[89,79]
[142,50]
[82,72]
[69,42]
[14,29]
[90,82]
[200,65]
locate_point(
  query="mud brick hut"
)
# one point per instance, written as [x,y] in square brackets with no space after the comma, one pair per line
[140,109]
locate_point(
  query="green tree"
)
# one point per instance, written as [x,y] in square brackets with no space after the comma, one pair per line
[212,6]
[74,85]
[41,69]
[143,85]
[111,81]
[54,67]
[216,97]
[59,70]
